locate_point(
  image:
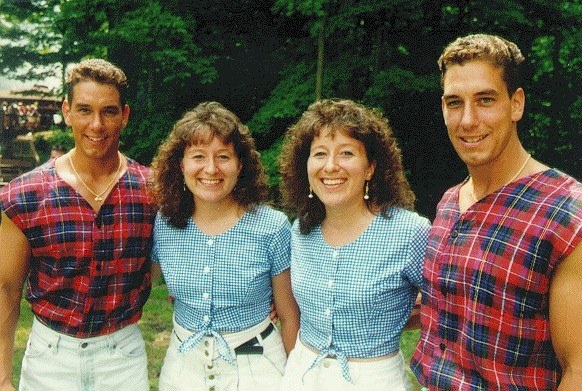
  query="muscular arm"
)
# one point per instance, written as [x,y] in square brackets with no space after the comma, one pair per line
[287,309]
[566,318]
[14,262]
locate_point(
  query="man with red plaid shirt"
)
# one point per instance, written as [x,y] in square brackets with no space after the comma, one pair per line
[502,291]
[78,230]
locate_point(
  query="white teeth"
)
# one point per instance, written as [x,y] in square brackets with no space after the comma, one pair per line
[332,182]
[210,181]
[472,139]
[96,139]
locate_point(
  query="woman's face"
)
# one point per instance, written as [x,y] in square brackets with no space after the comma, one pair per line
[211,171]
[337,169]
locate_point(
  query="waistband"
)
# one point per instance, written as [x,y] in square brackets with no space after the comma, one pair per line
[226,343]
[70,342]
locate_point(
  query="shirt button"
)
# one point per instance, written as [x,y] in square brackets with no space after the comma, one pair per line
[210,242]
[326,364]
[207,269]
[206,343]
[84,345]
[206,318]
[330,283]
[442,346]
[211,377]
[205,295]
[327,312]
[455,233]
[206,353]
[334,254]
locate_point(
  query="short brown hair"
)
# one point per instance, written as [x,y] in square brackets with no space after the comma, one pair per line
[100,71]
[498,51]
[388,185]
[201,125]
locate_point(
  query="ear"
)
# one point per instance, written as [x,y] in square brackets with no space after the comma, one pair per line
[66,111]
[124,116]
[517,104]
[370,170]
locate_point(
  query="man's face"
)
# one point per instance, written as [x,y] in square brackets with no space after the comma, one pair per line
[480,116]
[96,118]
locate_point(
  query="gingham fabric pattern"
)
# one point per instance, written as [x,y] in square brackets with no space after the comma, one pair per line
[89,272]
[355,299]
[486,281]
[222,283]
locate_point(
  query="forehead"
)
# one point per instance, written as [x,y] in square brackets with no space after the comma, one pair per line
[208,142]
[473,77]
[328,135]
[89,92]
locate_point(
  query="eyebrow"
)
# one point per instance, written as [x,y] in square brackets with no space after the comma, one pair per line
[480,93]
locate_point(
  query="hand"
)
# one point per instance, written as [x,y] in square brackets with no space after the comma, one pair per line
[7,386]
[273,314]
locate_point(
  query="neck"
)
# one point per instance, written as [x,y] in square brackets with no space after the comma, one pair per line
[216,218]
[96,167]
[340,216]
[488,178]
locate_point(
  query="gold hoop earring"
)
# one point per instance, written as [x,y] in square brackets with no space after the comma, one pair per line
[366,196]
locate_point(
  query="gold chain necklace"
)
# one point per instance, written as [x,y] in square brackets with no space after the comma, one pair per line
[472,192]
[98,197]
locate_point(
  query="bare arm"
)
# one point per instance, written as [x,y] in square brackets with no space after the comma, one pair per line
[287,309]
[14,263]
[566,318]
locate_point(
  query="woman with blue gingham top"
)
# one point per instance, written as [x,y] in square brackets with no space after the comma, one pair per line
[223,256]
[356,249]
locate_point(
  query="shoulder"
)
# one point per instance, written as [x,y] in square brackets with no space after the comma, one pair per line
[268,217]
[136,169]
[403,219]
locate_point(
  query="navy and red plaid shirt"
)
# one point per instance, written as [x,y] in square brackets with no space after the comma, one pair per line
[485,294]
[89,272]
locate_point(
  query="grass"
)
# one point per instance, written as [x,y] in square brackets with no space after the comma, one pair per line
[156,325]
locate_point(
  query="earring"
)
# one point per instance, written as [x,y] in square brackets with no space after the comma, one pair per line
[366,196]
[310,195]
[184,185]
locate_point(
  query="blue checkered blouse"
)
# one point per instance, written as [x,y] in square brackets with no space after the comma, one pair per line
[222,283]
[355,299]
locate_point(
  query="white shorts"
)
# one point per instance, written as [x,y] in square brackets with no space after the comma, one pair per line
[204,369]
[55,361]
[374,375]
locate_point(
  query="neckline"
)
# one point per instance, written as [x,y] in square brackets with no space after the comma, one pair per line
[364,233]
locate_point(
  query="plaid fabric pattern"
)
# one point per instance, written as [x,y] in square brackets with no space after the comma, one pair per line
[355,299]
[487,272]
[222,283]
[89,273]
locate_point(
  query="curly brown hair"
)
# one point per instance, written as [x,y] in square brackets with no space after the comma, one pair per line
[388,185]
[498,51]
[201,125]
[97,70]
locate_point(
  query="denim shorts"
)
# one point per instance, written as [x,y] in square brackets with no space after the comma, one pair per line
[55,361]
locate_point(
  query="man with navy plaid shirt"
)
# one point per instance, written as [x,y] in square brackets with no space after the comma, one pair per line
[502,289]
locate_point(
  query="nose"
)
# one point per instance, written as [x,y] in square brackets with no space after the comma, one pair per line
[97,121]
[330,163]
[469,119]
[210,167]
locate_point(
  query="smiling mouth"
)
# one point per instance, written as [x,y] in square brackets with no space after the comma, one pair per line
[96,139]
[209,182]
[472,140]
[332,182]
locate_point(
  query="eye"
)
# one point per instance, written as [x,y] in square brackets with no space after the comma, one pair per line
[453,103]
[224,157]
[319,154]
[346,153]
[487,100]
[111,112]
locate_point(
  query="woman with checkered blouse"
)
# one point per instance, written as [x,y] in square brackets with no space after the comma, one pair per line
[223,255]
[356,249]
